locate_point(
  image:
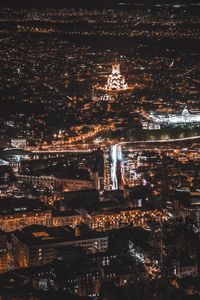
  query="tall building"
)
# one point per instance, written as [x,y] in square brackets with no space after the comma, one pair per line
[115,80]
[107,170]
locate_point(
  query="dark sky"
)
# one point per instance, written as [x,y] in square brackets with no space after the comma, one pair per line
[86,3]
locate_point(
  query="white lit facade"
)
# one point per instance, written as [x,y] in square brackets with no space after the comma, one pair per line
[115,80]
[18,143]
[185,117]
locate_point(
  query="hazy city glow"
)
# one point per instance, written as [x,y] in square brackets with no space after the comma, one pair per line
[99,150]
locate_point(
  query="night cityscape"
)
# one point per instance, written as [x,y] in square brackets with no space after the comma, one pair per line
[100,149]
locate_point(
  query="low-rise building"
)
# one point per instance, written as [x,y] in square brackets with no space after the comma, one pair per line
[184,117]
[17,213]
[37,245]
[3,252]
[18,142]
[185,268]
[52,181]
[63,218]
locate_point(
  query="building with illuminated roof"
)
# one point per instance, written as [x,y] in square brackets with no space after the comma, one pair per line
[114,86]
[185,117]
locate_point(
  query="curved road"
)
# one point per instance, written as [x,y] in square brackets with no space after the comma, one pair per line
[116,154]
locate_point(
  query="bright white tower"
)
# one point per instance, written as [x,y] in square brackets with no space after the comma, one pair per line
[115,80]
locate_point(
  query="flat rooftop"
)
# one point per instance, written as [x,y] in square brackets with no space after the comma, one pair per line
[14,205]
[36,235]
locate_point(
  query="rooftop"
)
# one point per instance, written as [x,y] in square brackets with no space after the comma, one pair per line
[39,235]
[14,205]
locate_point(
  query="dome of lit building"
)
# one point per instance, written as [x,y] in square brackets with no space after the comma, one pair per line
[184,117]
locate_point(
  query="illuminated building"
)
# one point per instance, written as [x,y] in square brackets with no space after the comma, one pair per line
[3,252]
[4,162]
[150,125]
[18,142]
[113,220]
[116,81]
[15,156]
[107,171]
[185,117]
[184,268]
[17,213]
[37,245]
[107,97]
[7,177]
[52,181]
[63,218]
[82,279]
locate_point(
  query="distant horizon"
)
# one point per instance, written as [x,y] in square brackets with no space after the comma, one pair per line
[90,3]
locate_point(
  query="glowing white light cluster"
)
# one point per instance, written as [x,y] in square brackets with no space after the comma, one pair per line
[113,152]
[106,97]
[116,156]
[150,265]
[184,117]
[115,80]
